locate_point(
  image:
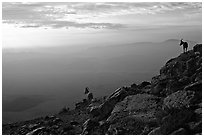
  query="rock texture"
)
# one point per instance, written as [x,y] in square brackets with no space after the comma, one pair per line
[171,104]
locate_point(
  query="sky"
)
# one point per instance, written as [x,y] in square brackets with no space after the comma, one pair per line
[88,23]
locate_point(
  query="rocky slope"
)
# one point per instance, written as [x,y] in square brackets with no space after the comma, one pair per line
[170,104]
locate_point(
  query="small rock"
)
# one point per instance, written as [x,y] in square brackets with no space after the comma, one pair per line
[64,110]
[85,100]
[156,131]
[198,114]
[180,131]
[55,127]
[143,84]
[57,120]
[195,127]
[36,131]
[89,125]
[31,126]
[198,111]
[67,127]
[50,117]
[147,89]
[133,85]
[184,80]
[197,86]
[74,123]
[95,111]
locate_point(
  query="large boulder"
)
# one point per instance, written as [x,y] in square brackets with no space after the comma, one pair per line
[174,85]
[176,66]
[197,88]
[198,48]
[134,112]
[179,107]
[105,109]
[158,84]
[176,119]
[179,100]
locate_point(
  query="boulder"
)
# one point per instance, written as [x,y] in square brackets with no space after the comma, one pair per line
[158,84]
[197,88]
[178,100]
[143,84]
[134,112]
[172,86]
[191,66]
[146,89]
[105,109]
[198,48]
[95,111]
[133,85]
[81,104]
[175,120]
[175,67]
[118,95]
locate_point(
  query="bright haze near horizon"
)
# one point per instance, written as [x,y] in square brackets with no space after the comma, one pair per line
[52,51]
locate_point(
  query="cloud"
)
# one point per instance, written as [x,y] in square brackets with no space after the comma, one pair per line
[86,15]
[67,24]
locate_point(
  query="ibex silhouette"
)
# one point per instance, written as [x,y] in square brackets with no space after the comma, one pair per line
[185,45]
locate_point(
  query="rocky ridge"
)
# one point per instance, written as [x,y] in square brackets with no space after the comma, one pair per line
[171,104]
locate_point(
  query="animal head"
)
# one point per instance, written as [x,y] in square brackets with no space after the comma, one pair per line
[181,42]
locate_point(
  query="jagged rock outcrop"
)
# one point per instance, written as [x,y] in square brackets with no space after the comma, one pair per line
[178,72]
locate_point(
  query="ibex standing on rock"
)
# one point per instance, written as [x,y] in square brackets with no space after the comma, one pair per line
[185,45]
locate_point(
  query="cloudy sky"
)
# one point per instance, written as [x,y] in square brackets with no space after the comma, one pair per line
[51,24]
